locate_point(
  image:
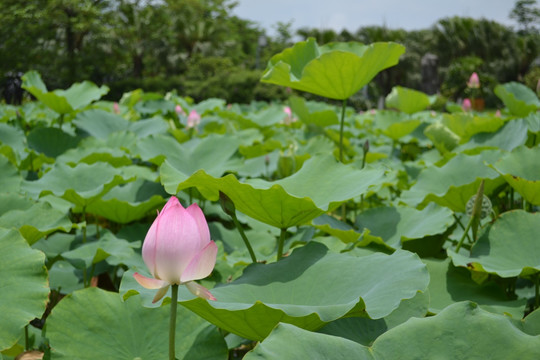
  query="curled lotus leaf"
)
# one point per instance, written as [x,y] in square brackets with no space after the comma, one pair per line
[335,70]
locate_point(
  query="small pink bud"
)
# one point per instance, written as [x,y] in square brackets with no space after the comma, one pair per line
[178,109]
[193,119]
[498,113]
[467,106]
[289,119]
[116,108]
[474,81]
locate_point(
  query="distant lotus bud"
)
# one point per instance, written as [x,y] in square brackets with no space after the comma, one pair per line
[288,90]
[467,105]
[227,204]
[288,116]
[474,81]
[179,111]
[116,108]
[193,119]
[366,146]
[498,113]
[372,111]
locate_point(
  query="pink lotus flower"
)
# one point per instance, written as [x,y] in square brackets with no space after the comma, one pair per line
[178,250]
[116,108]
[474,81]
[289,119]
[179,111]
[467,105]
[498,113]
[193,119]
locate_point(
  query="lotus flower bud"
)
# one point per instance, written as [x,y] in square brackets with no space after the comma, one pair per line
[467,105]
[177,250]
[116,108]
[178,110]
[193,119]
[474,81]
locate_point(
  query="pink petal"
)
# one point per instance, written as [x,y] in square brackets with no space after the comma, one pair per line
[199,290]
[149,283]
[201,265]
[196,213]
[160,294]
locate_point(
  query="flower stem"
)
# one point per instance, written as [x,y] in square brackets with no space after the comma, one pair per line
[244,237]
[537,291]
[465,232]
[172,322]
[26,339]
[343,108]
[281,242]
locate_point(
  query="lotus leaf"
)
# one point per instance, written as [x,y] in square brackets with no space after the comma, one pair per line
[335,70]
[107,328]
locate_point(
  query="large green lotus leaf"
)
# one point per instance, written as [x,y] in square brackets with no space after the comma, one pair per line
[82,94]
[306,345]
[365,331]
[108,247]
[24,286]
[513,134]
[266,117]
[317,114]
[77,96]
[129,202]
[51,141]
[65,278]
[398,224]
[262,242]
[302,290]
[96,324]
[10,181]
[407,100]
[531,324]
[92,182]
[461,331]
[453,184]
[533,122]
[507,248]
[14,142]
[156,106]
[335,70]
[34,85]
[449,284]
[395,125]
[466,125]
[346,232]
[520,169]
[37,221]
[14,201]
[319,186]
[442,137]
[89,154]
[101,124]
[212,153]
[518,98]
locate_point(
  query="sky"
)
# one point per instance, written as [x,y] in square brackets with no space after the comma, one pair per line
[352,14]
